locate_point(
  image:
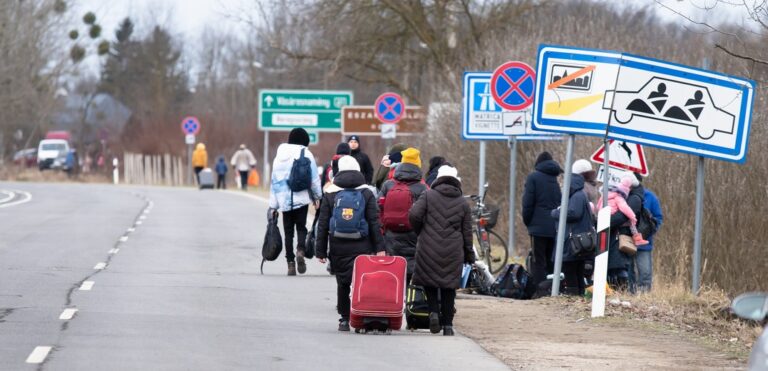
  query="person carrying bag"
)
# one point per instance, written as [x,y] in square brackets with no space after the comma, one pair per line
[581,230]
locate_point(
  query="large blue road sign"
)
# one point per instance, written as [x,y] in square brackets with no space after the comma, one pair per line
[643,100]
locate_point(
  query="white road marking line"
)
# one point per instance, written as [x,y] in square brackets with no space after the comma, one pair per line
[10,194]
[27,195]
[100,266]
[87,285]
[124,239]
[38,355]
[143,217]
[139,222]
[114,251]
[68,313]
[131,230]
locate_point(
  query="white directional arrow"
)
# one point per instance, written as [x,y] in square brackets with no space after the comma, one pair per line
[269,100]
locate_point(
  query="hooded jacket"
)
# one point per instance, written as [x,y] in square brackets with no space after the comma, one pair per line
[579,217]
[243,160]
[403,243]
[616,258]
[342,252]
[443,222]
[651,203]
[540,196]
[221,166]
[434,165]
[200,156]
[280,194]
[365,164]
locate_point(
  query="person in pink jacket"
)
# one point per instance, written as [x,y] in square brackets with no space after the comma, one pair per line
[617,200]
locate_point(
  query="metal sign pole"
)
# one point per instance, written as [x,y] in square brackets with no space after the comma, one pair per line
[190,181]
[512,193]
[563,213]
[696,279]
[266,180]
[481,175]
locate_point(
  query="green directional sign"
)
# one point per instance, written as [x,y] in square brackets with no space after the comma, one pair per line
[316,110]
[314,138]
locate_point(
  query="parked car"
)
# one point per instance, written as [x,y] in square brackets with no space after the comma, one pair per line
[25,157]
[754,306]
[59,134]
[52,153]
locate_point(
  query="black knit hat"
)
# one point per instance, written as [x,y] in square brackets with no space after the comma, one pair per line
[544,156]
[353,137]
[298,136]
[343,149]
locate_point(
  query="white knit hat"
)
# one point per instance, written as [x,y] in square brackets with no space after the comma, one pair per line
[631,176]
[348,163]
[450,171]
[581,166]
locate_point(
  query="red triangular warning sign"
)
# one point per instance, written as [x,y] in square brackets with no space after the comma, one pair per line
[623,155]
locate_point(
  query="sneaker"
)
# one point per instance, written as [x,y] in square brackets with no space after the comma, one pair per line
[434,323]
[291,268]
[343,325]
[302,265]
[447,330]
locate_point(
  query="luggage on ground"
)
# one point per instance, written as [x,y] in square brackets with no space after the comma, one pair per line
[513,282]
[273,241]
[480,278]
[416,308]
[545,287]
[378,284]
[206,179]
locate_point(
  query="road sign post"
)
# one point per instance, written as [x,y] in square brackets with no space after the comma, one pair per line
[562,220]
[512,193]
[190,126]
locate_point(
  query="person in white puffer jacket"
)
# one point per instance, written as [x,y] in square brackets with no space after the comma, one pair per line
[294,205]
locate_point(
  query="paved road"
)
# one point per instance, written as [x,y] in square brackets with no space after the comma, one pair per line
[181,290]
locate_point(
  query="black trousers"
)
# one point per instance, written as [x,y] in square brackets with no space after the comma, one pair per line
[243,180]
[445,306]
[221,182]
[574,277]
[198,169]
[343,289]
[542,263]
[295,219]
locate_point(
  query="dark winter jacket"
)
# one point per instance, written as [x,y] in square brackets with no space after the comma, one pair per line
[365,165]
[579,217]
[443,222]
[403,243]
[434,165]
[341,252]
[616,258]
[221,166]
[540,196]
[382,172]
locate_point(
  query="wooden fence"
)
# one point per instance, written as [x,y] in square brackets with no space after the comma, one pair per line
[154,169]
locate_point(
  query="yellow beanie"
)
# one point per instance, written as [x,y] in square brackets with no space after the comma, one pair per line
[411,156]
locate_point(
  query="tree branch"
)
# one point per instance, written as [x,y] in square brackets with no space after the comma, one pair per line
[745,57]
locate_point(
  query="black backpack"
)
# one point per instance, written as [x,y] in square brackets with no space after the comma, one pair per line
[273,241]
[513,282]
[646,223]
[309,243]
[301,174]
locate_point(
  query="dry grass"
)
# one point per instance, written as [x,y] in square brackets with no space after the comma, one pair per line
[18,174]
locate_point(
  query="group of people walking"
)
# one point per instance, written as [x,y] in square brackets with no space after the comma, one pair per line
[627,198]
[394,211]
[242,162]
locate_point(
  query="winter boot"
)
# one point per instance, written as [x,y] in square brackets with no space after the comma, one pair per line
[637,238]
[447,330]
[302,265]
[343,324]
[434,323]
[291,268]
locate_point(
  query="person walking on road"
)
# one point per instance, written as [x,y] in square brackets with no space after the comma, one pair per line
[221,173]
[199,160]
[396,198]
[442,220]
[579,220]
[434,164]
[541,195]
[341,248]
[643,260]
[295,185]
[243,161]
[331,168]
[365,163]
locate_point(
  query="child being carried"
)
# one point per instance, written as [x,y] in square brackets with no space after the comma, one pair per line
[617,200]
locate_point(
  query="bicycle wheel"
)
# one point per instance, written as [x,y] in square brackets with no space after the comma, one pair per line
[499,255]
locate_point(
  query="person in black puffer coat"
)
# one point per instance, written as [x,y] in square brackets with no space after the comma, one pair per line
[434,164]
[618,262]
[408,172]
[443,221]
[579,219]
[332,167]
[342,252]
[365,163]
[540,196]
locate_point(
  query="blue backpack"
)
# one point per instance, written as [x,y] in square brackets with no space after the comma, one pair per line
[301,174]
[348,219]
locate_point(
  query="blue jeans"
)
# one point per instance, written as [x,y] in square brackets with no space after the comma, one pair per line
[643,279]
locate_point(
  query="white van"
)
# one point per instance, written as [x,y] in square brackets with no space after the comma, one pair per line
[52,153]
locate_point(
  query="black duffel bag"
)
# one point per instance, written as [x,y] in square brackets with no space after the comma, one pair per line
[273,241]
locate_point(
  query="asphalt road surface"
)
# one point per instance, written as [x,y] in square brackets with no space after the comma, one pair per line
[101,277]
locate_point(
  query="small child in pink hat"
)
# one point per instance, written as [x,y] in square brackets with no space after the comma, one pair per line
[617,200]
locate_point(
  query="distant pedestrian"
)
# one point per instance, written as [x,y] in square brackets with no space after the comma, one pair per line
[199,160]
[295,185]
[365,163]
[221,173]
[332,167]
[579,220]
[541,195]
[243,161]
[386,165]
[348,226]
[642,280]
[584,168]
[396,199]
[434,164]
[442,220]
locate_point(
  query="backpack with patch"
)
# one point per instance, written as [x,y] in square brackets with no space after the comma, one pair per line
[348,218]
[396,206]
[513,283]
[646,223]
[301,174]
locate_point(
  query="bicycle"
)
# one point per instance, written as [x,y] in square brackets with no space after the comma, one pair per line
[493,248]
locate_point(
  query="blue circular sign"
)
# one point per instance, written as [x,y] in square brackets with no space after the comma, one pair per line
[190,125]
[389,108]
[512,85]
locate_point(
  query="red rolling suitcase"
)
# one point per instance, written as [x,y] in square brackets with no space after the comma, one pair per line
[378,293]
